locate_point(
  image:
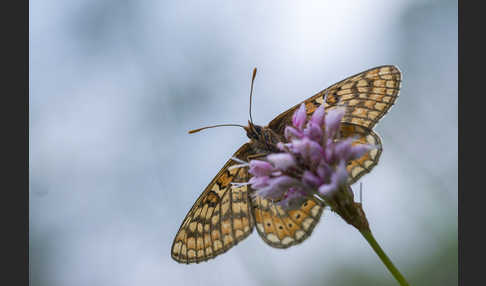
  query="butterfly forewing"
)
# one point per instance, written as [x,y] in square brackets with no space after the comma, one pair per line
[220,218]
[365,97]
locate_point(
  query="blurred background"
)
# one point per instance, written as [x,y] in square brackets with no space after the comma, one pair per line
[116,85]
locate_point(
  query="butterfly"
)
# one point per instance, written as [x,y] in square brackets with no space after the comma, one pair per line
[226,212]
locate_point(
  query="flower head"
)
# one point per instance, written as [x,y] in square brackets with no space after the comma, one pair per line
[312,162]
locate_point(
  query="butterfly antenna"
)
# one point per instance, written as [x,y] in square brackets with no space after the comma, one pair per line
[219,125]
[251,90]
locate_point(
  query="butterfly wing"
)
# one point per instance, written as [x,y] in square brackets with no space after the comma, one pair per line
[366,97]
[219,219]
[283,228]
[363,165]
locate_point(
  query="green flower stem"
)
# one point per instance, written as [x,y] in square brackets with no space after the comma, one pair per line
[384,258]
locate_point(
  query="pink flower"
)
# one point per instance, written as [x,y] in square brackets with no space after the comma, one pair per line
[258,182]
[311,180]
[293,198]
[277,187]
[318,116]
[281,161]
[333,121]
[312,162]
[260,168]
[338,178]
[313,131]
[291,132]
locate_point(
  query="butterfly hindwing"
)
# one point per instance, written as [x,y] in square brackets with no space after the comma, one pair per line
[283,228]
[219,219]
[363,165]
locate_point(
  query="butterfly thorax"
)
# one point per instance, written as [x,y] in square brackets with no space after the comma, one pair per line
[263,139]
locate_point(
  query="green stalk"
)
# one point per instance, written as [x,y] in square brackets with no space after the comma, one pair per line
[384,258]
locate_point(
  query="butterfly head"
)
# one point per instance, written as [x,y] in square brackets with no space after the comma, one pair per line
[262,138]
[254,131]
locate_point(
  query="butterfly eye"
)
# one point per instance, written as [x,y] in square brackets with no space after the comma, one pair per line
[258,129]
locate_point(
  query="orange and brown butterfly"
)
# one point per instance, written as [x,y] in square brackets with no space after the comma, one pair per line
[226,212]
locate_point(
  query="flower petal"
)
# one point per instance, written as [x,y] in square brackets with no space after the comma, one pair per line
[299,117]
[341,173]
[313,131]
[324,171]
[342,150]
[293,199]
[291,133]
[259,182]
[327,189]
[359,150]
[318,116]
[281,161]
[260,168]
[311,180]
[310,151]
[277,187]
[333,121]
[338,178]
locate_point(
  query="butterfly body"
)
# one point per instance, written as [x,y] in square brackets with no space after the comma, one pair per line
[226,212]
